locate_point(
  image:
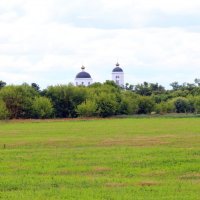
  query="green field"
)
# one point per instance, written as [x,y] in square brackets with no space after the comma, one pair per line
[113,159]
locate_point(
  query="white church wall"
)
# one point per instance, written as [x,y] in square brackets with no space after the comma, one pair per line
[83,81]
[118,78]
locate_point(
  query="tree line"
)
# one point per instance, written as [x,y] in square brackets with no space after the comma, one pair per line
[98,100]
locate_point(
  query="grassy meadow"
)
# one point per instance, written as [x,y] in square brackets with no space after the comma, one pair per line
[109,159]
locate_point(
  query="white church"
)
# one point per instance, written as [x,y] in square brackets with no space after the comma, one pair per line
[84,78]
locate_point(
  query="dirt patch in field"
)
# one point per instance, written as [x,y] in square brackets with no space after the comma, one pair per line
[99,169]
[148,183]
[114,185]
[191,176]
[137,141]
[143,184]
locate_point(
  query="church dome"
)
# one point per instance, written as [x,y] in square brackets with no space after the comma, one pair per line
[117,68]
[83,74]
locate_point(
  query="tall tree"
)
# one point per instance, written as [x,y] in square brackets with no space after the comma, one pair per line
[197,81]
[175,85]
[66,98]
[35,86]
[18,100]
[2,84]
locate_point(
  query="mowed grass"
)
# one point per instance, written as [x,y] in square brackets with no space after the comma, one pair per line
[111,159]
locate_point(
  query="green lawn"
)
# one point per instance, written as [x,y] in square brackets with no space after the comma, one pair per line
[113,159]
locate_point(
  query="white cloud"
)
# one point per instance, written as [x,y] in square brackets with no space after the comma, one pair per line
[47,41]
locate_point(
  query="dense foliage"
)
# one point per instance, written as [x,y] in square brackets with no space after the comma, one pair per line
[101,100]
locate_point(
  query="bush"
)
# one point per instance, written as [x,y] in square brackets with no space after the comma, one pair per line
[145,105]
[129,103]
[197,105]
[42,108]
[65,99]
[4,114]
[181,105]
[165,107]
[87,109]
[18,100]
[106,105]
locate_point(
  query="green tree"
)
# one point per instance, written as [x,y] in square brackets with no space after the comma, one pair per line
[42,108]
[2,84]
[35,86]
[18,100]
[129,87]
[175,85]
[165,107]
[87,109]
[4,114]
[106,105]
[197,81]
[147,89]
[145,105]
[181,104]
[129,103]
[197,104]
[65,99]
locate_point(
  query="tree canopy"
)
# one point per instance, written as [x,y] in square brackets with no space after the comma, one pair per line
[99,99]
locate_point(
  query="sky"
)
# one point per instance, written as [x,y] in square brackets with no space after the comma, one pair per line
[47,41]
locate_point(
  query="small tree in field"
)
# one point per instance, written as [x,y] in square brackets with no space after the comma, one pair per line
[42,108]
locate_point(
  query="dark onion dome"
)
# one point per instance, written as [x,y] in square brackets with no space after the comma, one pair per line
[83,74]
[117,68]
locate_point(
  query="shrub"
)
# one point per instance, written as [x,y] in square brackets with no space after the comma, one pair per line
[197,104]
[42,108]
[87,109]
[106,105]
[65,99]
[165,107]
[145,104]
[181,104]
[4,114]
[18,100]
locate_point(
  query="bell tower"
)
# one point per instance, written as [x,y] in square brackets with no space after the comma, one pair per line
[118,75]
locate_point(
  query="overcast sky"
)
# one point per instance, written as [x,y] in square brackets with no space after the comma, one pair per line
[47,41]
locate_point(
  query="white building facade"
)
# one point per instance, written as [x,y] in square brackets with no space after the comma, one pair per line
[83,78]
[118,75]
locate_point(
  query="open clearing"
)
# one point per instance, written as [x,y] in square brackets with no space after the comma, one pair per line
[115,159]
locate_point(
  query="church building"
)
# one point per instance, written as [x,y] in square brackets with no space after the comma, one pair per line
[118,75]
[84,78]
